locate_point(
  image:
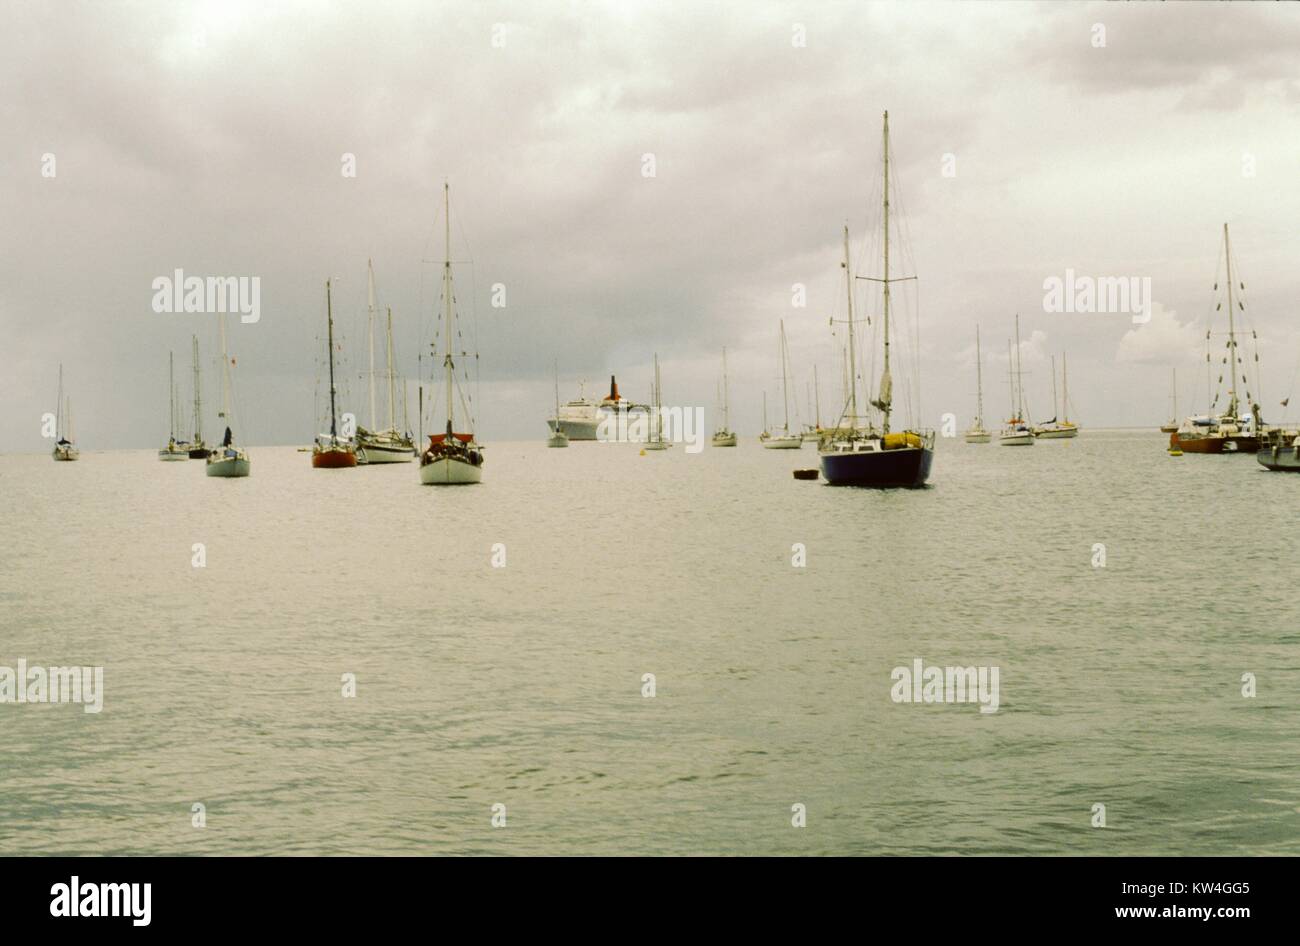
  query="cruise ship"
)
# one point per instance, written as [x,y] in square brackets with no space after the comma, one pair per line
[579,418]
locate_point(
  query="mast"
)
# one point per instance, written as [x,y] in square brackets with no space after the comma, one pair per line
[844,373]
[1065,389]
[1232,335]
[979,383]
[886,383]
[557,395]
[726,413]
[1173,394]
[817,401]
[1020,377]
[785,393]
[1209,373]
[447,362]
[1054,386]
[171,398]
[198,396]
[392,395]
[655,398]
[58,409]
[659,402]
[370,296]
[853,367]
[329,320]
[1011,379]
[225,374]
[764,411]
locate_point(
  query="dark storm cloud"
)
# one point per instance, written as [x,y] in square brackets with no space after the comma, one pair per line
[1212,61]
[209,137]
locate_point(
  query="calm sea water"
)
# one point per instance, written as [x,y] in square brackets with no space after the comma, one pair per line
[522,685]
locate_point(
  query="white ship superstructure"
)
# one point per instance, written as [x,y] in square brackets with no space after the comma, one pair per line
[579,419]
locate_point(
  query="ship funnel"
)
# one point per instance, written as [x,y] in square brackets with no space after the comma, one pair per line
[613,389]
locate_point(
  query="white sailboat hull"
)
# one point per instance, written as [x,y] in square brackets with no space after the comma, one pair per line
[1057,433]
[657,445]
[373,453]
[978,436]
[724,440]
[576,429]
[1018,439]
[449,471]
[66,453]
[793,442]
[229,467]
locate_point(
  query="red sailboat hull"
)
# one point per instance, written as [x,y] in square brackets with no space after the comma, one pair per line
[1215,444]
[333,459]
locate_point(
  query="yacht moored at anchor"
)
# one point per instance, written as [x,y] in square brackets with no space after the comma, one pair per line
[198,449]
[851,456]
[451,458]
[229,460]
[1017,432]
[175,450]
[65,448]
[1228,432]
[655,440]
[976,433]
[330,451]
[1064,428]
[783,439]
[558,437]
[724,436]
[389,445]
[1281,453]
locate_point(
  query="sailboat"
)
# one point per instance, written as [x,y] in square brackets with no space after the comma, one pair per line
[390,445]
[784,440]
[850,455]
[451,458]
[64,447]
[814,433]
[330,451]
[173,450]
[655,440]
[558,437]
[724,436]
[228,460]
[977,433]
[1228,432]
[198,449]
[1017,432]
[1059,429]
[1281,453]
[1171,425]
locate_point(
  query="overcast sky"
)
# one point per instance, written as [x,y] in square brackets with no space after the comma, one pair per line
[209,137]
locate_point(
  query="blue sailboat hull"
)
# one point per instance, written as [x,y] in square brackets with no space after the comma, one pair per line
[885,469]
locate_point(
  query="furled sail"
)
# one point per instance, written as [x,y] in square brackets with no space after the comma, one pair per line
[886,393]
